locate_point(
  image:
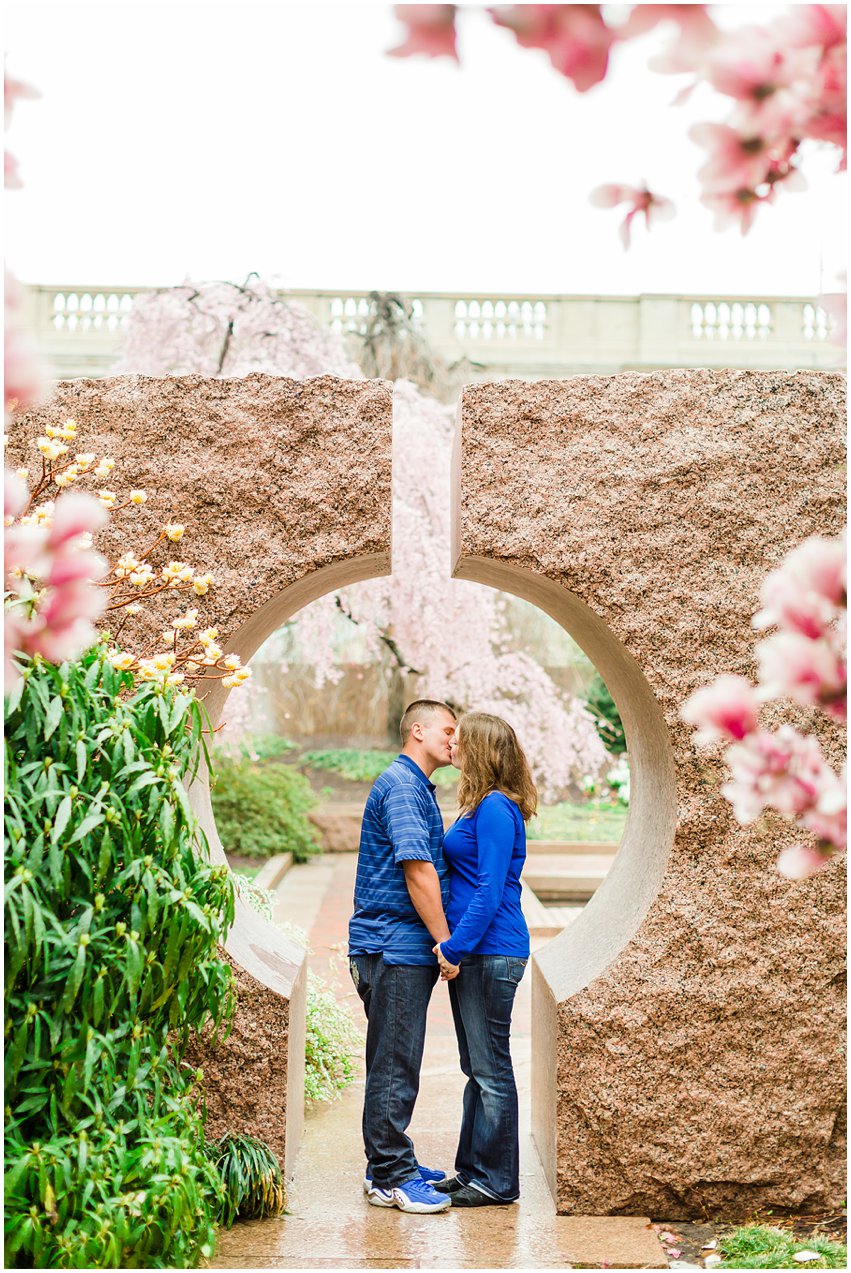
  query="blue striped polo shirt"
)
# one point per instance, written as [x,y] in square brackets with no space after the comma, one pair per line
[401,823]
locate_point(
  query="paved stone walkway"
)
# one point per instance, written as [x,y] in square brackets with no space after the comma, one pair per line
[329,1222]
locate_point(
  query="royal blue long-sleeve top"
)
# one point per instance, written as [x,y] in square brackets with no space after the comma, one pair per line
[486,851]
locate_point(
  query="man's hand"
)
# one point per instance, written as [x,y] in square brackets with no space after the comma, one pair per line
[447,970]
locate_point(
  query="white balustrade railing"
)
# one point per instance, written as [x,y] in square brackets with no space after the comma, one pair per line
[79,329]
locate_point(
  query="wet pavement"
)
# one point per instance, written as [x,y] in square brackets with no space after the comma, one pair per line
[329,1223]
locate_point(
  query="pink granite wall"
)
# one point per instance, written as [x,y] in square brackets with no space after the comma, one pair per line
[687,1045]
[284,489]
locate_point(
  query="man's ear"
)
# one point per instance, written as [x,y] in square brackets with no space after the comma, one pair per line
[417,731]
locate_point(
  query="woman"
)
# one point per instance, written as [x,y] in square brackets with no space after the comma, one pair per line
[485,850]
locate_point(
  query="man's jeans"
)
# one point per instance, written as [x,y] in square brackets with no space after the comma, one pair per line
[482,996]
[395,999]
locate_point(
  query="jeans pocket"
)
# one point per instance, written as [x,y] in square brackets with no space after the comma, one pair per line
[359,969]
[515,968]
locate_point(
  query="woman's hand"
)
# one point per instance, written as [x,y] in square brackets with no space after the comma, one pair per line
[447,970]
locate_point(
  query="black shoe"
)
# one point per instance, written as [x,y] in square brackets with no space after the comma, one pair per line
[467,1196]
[447,1186]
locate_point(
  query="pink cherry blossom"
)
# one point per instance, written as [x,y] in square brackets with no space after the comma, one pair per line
[431,30]
[639,200]
[727,709]
[574,36]
[800,862]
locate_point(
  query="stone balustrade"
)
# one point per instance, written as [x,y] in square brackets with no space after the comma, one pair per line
[499,334]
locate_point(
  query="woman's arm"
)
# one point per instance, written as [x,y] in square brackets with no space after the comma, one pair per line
[495,832]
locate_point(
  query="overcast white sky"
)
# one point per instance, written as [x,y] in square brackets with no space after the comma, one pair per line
[203,139]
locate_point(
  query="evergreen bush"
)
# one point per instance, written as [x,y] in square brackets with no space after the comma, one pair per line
[261,809]
[601,705]
[113,917]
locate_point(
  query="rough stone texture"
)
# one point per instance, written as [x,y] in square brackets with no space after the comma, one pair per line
[254,1055]
[273,478]
[688,1023]
[284,489]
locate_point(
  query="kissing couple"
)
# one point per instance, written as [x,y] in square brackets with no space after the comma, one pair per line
[429,906]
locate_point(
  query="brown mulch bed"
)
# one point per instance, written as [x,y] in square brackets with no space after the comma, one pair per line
[693,1237]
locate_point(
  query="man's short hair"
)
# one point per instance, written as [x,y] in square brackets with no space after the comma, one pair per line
[421,710]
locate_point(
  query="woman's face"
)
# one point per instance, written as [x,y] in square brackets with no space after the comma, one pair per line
[455,754]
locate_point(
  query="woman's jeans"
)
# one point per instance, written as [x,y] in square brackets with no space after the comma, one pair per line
[482,996]
[395,998]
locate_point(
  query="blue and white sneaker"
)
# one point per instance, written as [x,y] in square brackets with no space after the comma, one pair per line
[426,1173]
[415,1195]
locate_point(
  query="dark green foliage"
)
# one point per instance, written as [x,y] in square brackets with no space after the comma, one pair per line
[249,1170]
[262,810]
[761,1246]
[113,919]
[600,703]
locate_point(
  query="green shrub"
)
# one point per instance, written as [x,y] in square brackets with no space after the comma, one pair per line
[259,747]
[113,918]
[262,810]
[601,705]
[760,1246]
[365,766]
[251,1175]
[332,1043]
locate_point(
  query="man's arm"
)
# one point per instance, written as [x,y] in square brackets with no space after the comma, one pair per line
[424,888]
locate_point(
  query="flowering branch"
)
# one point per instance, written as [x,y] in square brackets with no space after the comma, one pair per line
[784,770]
[786,81]
[56,586]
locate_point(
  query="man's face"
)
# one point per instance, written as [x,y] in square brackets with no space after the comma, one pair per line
[437,734]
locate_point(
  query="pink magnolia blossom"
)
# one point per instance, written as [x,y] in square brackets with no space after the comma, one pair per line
[735,160]
[574,36]
[803,594]
[431,30]
[49,573]
[786,771]
[639,200]
[75,514]
[753,67]
[821,25]
[11,174]
[800,862]
[696,34]
[727,709]
[13,91]
[809,672]
[691,18]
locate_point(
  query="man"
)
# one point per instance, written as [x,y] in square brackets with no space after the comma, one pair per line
[401,891]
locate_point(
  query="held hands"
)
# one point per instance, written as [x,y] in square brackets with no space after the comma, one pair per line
[447,970]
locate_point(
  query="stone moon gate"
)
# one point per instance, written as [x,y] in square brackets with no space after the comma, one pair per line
[686,1028]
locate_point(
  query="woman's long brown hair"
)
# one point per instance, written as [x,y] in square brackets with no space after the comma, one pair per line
[492,760]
